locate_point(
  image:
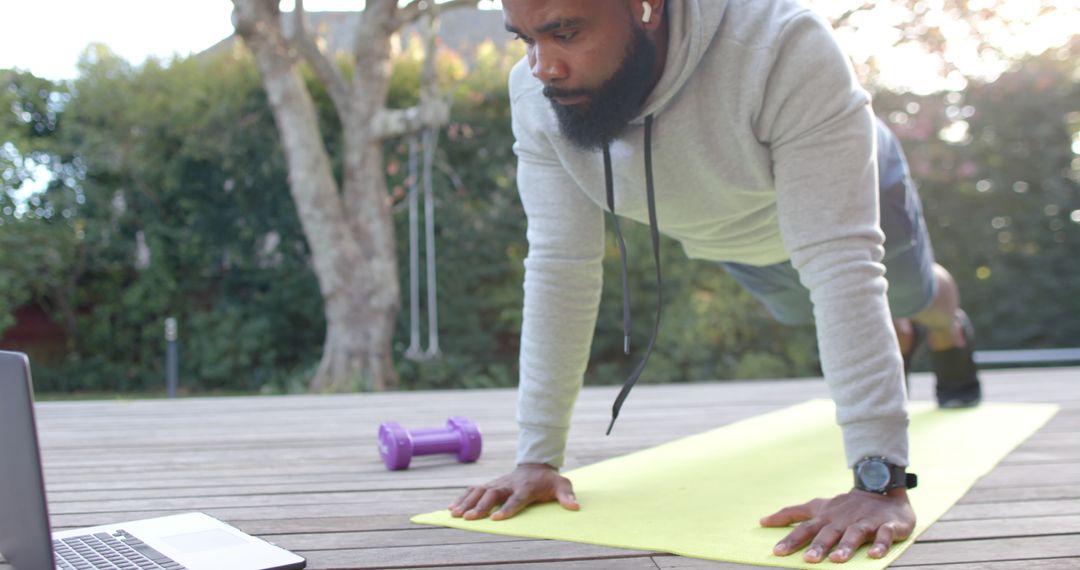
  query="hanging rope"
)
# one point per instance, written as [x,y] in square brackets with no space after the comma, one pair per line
[414,352]
[429,144]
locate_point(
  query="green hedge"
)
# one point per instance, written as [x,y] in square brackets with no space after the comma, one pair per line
[183,157]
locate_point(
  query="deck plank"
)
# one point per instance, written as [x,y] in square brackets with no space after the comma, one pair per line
[304,471]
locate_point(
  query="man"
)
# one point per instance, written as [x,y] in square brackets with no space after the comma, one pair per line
[736,127]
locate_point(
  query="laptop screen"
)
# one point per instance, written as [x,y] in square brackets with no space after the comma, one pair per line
[25,540]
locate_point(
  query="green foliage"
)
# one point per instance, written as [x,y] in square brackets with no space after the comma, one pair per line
[169,197]
[34,258]
[186,213]
[711,328]
[38,241]
[480,229]
[1002,196]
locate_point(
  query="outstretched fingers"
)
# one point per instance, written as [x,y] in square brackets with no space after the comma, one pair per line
[512,506]
[564,492]
[788,516]
[854,537]
[886,535]
[798,538]
[490,499]
[527,484]
[466,501]
[838,527]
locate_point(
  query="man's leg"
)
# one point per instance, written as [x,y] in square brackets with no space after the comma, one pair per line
[778,288]
[923,295]
[944,330]
[940,326]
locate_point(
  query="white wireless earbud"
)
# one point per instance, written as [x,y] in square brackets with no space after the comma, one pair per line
[648,12]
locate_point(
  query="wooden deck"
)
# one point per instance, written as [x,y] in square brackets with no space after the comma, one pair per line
[304,472]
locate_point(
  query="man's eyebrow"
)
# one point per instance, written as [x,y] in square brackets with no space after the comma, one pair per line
[551,26]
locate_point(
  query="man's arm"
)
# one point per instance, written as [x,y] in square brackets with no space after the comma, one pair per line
[563,282]
[818,124]
[820,129]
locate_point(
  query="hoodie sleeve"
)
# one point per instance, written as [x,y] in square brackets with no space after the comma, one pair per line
[817,122]
[563,282]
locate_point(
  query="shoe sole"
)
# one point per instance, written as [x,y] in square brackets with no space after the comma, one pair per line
[955,404]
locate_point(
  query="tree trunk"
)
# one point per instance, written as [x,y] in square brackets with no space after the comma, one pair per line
[356,353]
[350,233]
[360,325]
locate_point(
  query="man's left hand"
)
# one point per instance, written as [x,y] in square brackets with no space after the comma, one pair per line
[845,522]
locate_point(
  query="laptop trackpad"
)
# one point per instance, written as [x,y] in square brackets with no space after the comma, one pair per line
[203,540]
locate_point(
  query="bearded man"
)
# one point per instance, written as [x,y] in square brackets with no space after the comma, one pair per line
[737,128]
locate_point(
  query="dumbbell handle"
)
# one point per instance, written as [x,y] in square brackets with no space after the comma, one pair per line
[427,441]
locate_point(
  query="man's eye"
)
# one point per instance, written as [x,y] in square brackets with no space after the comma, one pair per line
[522,38]
[565,36]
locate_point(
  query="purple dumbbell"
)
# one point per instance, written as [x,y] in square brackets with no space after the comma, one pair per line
[397,445]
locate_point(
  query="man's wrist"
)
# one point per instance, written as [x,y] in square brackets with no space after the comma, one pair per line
[895,493]
[537,466]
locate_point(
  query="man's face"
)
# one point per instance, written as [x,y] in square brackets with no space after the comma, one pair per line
[595,62]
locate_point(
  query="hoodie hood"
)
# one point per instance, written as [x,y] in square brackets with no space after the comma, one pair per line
[692,25]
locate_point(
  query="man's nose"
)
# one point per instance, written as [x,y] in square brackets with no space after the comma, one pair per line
[546,66]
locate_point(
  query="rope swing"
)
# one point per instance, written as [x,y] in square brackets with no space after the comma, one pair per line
[429,141]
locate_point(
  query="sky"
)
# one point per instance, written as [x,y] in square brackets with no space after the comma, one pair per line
[133,29]
[136,29]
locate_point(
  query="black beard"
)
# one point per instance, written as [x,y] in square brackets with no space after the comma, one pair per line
[606,114]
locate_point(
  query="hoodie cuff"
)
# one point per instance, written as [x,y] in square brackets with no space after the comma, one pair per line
[542,444]
[886,438]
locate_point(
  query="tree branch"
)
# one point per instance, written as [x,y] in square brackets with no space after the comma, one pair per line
[432,110]
[842,19]
[395,122]
[429,82]
[246,15]
[413,10]
[322,63]
[376,27]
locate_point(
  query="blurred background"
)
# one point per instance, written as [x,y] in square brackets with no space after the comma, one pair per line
[141,178]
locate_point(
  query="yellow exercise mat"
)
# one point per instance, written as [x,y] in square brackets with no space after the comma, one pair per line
[702,496]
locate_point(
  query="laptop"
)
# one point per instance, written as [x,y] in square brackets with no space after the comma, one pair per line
[194,541]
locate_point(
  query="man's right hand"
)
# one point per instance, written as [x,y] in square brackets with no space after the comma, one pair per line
[527,484]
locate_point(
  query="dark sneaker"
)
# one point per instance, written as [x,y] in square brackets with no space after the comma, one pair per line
[957,379]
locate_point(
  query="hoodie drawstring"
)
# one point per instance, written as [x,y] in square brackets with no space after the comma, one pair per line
[650,195]
[610,186]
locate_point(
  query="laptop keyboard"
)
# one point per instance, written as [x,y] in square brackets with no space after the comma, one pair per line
[104,551]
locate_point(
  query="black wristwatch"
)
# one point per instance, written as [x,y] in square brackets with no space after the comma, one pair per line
[876,475]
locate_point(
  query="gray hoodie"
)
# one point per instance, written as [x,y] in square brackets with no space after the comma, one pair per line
[763,150]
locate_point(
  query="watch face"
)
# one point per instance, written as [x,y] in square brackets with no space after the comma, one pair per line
[874,475]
